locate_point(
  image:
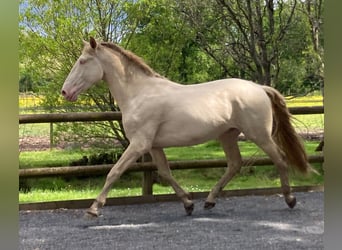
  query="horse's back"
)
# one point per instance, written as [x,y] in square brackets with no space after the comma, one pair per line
[234,85]
[197,113]
[233,92]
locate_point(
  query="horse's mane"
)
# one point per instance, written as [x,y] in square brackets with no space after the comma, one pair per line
[131,57]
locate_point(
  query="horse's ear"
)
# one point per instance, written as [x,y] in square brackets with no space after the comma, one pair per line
[93,42]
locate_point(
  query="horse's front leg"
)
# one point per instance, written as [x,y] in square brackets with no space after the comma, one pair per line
[160,160]
[131,154]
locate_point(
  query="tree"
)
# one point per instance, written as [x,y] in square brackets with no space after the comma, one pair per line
[51,34]
[25,82]
[165,41]
[243,37]
[313,10]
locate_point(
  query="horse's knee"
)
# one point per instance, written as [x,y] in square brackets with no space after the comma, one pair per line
[234,167]
[165,174]
[113,175]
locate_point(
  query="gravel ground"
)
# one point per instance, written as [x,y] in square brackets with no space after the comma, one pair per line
[250,222]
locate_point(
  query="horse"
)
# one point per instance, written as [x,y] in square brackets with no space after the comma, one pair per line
[159,113]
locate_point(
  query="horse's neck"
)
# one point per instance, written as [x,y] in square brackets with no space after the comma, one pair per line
[127,83]
[124,89]
[126,92]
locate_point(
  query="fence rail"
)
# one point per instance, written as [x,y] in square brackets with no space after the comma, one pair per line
[146,167]
[103,169]
[108,116]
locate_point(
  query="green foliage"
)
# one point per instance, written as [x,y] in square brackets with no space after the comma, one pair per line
[25,83]
[187,41]
[163,39]
[260,40]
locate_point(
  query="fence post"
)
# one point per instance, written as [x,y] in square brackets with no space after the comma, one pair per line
[51,136]
[147,181]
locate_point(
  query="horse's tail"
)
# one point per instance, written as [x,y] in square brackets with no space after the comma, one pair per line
[284,133]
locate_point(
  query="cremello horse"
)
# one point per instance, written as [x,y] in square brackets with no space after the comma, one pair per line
[159,113]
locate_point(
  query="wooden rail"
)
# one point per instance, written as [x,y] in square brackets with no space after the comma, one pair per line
[146,166]
[70,117]
[307,110]
[110,116]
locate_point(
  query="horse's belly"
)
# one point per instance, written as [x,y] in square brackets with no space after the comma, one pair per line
[187,135]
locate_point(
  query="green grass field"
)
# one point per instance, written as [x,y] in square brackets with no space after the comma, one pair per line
[51,189]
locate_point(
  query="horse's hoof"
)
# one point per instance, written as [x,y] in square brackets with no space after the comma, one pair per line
[291,202]
[91,214]
[88,216]
[209,205]
[189,209]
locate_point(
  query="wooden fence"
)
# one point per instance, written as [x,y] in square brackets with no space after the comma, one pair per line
[146,167]
[108,116]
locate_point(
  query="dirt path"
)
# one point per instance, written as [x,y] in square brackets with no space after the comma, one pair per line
[34,143]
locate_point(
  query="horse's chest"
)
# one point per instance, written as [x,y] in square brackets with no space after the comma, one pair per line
[142,124]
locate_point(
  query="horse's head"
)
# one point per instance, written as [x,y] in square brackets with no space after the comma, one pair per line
[86,71]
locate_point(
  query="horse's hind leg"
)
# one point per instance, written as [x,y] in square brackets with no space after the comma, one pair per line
[267,144]
[229,143]
[160,160]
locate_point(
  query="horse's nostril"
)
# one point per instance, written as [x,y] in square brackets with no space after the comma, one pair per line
[63,92]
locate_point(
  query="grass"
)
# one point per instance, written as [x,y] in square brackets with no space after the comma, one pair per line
[304,123]
[49,158]
[52,189]
[309,100]
[34,129]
